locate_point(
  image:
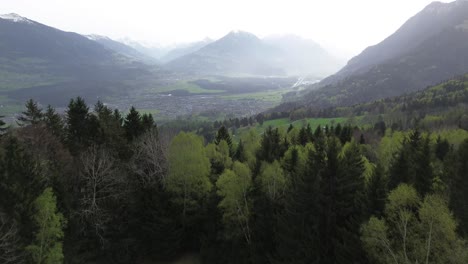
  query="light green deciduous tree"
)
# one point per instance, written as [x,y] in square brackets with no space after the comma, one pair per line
[47,246]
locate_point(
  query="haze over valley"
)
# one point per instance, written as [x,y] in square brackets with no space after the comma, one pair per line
[234,132]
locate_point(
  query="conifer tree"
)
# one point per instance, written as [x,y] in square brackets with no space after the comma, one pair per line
[298,223]
[133,124]
[78,124]
[223,134]
[53,121]
[377,191]
[239,155]
[350,207]
[3,126]
[147,122]
[459,188]
[33,114]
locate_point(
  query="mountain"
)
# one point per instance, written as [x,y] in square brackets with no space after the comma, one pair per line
[151,50]
[237,53]
[121,48]
[304,56]
[430,47]
[431,21]
[38,59]
[184,49]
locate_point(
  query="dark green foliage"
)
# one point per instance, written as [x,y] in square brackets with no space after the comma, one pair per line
[133,124]
[53,121]
[412,164]
[442,148]
[32,115]
[147,122]
[362,140]
[377,192]
[459,188]
[350,206]
[298,223]
[78,125]
[3,126]
[20,183]
[308,195]
[270,146]
[223,134]
[239,155]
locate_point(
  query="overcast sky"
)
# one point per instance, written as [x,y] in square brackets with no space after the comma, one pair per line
[346,26]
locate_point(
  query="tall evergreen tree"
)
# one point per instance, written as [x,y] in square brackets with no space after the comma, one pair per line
[3,126]
[377,191]
[442,148]
[459,188]
[54,121]
[21,182]
[33,114]
[350,206]
[298,223]
[423,174]
[147,122]
[78,124]
[239,155]
[223,134]
[133,124]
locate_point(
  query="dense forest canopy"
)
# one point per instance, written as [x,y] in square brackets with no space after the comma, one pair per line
[99,186]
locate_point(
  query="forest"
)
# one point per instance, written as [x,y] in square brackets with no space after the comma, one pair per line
[99,186]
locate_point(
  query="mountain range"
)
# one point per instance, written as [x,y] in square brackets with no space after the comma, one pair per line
[430,47]
[243,53]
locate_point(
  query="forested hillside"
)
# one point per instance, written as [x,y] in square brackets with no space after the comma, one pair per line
[429,48]
[99,186]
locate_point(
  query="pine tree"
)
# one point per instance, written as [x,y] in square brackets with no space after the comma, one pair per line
[362,140]
[377,192]
[399,168]
[47,246]
[3,126]
[223,134]
[328,211]
[147,122]
[350,207]
[133,124]
[21,182]
[442,148]
[298,223]
[53,121]
[78,127]
[303,138]
[33,114]
[423,174]
[239,155]
[459,188]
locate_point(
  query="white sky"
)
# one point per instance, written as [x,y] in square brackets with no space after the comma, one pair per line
[344,26]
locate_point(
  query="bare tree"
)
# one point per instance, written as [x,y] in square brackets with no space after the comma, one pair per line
[9,242]
[101,184]
[150,159]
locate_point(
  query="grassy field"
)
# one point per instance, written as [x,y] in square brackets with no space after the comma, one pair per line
[283,123]
[270,96]
[189,87]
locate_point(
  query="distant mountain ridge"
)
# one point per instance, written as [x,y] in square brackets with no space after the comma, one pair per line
[432,20]
[34,55]
[122,48]
[241,52]
[430,47]
[184,49]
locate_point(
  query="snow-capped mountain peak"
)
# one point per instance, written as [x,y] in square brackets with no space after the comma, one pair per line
[16,18]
